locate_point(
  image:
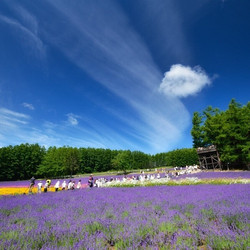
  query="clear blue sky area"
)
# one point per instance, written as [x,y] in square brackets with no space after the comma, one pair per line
[118,74]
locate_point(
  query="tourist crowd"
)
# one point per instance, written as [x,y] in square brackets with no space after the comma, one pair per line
[100,182]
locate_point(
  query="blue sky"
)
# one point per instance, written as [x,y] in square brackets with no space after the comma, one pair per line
[118,74]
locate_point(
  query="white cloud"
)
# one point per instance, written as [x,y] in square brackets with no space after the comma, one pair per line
[28,105]
[182,81]
[72,119]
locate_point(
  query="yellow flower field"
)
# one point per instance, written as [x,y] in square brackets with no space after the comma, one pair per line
[19,190]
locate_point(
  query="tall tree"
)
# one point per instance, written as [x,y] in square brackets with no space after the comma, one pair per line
[140,160]
[71,160]
[7,171]
[123,161]
[52,164]
[196,131]
[159,160]
[230,131]
[21,161]
[59,162]
[212,125]
[182,157]
[236,128]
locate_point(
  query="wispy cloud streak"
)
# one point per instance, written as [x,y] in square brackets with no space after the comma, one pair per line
[28,35]
[116,56]
[18,128]
[11,125]
[97,37]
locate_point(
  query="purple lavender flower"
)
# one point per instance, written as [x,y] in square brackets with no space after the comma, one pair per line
[183,217]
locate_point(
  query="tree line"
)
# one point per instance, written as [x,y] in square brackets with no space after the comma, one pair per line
[229,130]
[178,157]
[22,161]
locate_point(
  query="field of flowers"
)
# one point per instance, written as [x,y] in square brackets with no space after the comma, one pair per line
[22,187]
[211,177]
[222,174]
[160,217]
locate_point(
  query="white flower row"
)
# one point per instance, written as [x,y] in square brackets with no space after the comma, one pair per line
[146,182]
[162,181]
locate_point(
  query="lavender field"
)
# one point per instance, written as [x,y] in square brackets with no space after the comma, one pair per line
[161,217]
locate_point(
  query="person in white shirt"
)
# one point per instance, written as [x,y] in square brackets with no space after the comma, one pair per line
[79,184]
[57,185]
[39,187]
[69,185]
[46,185]
[64,184]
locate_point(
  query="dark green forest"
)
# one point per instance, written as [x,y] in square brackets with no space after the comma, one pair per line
[23,161]
[229,130]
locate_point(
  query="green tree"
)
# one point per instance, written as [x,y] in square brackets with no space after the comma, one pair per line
[229,130]
[159,160]
[59,162]
[7,171]
[140,160]
[234,138]
[182,157]
[71,160]
[52,164]
[21,161]
[196,131]
[212,125]
[123,161]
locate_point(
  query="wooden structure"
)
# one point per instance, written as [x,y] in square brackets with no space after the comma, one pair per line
[209,157]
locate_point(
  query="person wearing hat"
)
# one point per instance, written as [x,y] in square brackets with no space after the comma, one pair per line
[32,184]
[49,182]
